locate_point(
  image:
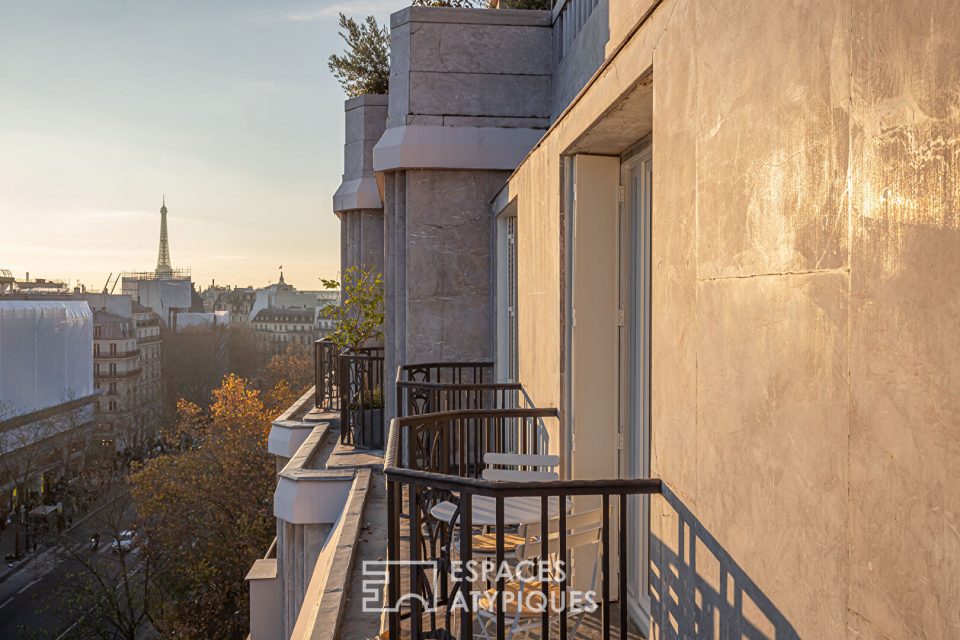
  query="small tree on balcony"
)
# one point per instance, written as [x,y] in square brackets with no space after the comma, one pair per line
[482,4]
[358,319]
[365,65]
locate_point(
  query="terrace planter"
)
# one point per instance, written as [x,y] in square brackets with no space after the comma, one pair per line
[362,415]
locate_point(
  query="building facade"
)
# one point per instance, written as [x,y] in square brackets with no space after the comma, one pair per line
[719,241]
[116,374]
[127,371]
[277,329]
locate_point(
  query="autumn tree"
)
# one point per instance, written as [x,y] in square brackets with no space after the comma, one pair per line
[206,512]
[286,377]
[365,65]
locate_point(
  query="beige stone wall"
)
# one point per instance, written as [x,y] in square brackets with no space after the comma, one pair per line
[805,303]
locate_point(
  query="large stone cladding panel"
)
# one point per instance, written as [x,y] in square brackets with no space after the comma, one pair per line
[479,94]
[773,121]
[365,118]
[905,281]
[448,263]
[480,48]
[462,62]
[674,259]
[772,437]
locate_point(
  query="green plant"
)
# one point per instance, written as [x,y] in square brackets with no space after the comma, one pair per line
[365,65]
[367,399]
[358,319]
[541,5]
[456,4]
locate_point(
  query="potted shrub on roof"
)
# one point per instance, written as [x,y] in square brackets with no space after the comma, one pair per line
[358,334]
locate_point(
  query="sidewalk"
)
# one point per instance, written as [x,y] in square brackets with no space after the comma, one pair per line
[7,570]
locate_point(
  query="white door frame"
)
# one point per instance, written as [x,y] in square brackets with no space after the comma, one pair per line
[634,438]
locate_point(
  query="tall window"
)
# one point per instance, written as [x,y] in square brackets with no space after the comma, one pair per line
[513,350]
[508,342]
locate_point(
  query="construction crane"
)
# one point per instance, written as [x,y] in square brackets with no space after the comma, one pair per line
[115,284]
[107,283]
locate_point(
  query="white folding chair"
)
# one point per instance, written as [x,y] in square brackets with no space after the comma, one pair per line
[522,612]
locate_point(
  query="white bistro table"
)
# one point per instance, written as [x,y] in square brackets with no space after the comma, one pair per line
[518,510]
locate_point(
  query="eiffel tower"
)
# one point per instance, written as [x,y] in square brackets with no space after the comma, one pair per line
[164,270]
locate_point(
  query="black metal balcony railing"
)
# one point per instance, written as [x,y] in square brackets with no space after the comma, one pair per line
[433,457]
[117,354]
[117,374]
[351,383]
[360,380]
[326,389]
[432,387]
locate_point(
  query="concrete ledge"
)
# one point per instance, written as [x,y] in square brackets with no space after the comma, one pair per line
[360,193]
[310,496]
[438,147]
[516,17]
[366,100]
[291,428]
[325,602]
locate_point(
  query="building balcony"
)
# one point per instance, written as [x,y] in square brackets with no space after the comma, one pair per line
[352,385]
[117,374]
[469,455]
[328,498]
[117,355]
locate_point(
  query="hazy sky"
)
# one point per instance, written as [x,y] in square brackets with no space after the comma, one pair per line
[225,106]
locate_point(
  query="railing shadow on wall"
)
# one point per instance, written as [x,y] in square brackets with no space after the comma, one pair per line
[686,604]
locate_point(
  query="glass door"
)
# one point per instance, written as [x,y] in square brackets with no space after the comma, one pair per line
[634,321]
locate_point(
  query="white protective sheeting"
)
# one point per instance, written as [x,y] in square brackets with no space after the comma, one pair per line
[46,354]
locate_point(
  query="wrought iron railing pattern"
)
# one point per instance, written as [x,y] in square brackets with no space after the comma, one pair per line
[432,457]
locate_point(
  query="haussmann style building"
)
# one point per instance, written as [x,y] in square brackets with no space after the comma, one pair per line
[672,294]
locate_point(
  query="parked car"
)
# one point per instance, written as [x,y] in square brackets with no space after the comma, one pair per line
[124,542]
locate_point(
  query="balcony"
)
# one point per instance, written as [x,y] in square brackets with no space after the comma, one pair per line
[117,355]
[443,478]
[129,373]
[351,383]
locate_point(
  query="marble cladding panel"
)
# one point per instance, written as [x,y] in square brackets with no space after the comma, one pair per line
[480,48]
[771,455]
[399,106]
[674,292]
[773,137]
[448,262]
[479,94]
[371,238]
[905,281]
[358,158]
[365,122]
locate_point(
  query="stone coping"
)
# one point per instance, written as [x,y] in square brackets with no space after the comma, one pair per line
[439,147]
[366,100]
[293,426]
[357,193]
[330,584]
[507,17]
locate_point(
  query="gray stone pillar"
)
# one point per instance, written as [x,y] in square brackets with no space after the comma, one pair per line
[357,202]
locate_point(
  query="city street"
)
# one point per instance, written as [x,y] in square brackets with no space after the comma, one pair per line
[31,603]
